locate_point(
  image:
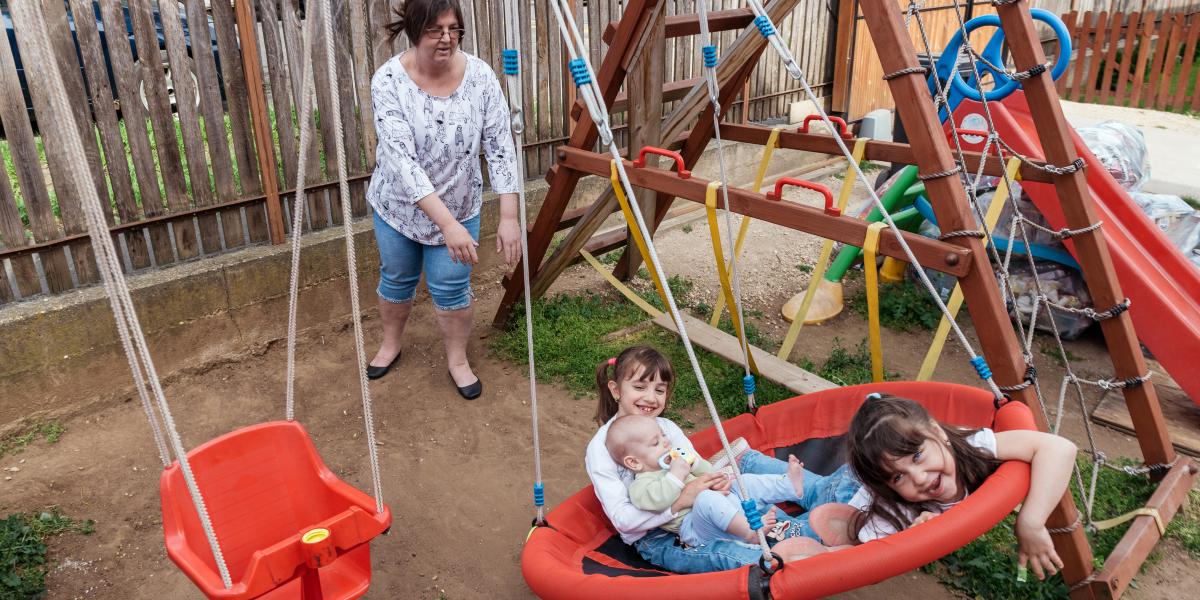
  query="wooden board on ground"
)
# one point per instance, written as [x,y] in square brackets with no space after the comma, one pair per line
[1181,414]
[726,346]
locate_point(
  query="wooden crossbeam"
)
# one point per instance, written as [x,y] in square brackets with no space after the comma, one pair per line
[892,152]
[681,25]
[672,90]
[935,254]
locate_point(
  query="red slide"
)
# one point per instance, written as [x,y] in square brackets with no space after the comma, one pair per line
[1162,284]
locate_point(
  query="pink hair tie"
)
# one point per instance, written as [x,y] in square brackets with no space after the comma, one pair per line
[612,362]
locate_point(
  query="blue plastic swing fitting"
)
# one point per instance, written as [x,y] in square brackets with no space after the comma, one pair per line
[579,71]
[764,25]
[748,384]
[512,64]
[710,56]
[982,368]
[539,495]
[752,516]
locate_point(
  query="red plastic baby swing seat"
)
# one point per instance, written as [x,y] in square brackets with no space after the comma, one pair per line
[264,486]
[578,557]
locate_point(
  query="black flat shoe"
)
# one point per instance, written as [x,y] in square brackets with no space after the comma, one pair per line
[374,372]
[470,391]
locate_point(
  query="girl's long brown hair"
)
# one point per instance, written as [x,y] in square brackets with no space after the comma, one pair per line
[628,363]
[887,427]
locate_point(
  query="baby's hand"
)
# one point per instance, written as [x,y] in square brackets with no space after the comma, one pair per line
[925,516]
[679,467]
[1036,549]
[769,519]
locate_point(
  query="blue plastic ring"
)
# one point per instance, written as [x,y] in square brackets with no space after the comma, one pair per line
[1009,85]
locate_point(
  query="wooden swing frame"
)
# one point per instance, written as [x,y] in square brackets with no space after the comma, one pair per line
[640,33]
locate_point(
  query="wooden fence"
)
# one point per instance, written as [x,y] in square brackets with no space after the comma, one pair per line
[1145,60]
[172,144]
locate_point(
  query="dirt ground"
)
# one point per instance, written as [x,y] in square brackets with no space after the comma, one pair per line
[456,474]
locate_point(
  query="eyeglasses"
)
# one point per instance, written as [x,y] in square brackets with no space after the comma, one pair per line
[436,33]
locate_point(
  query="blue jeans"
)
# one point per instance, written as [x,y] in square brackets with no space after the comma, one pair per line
[713,511]
[662,548]
[401,262]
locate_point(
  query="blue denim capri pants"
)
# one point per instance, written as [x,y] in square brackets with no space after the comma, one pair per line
[401,262]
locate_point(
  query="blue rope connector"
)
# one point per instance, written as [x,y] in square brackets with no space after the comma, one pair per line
[539,495]
[579,71]
[982,368]
[748,384]
[764,25]
[512,64]
[752,516]
[710,56]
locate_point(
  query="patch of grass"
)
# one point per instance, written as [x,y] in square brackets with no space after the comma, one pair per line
[1192,201]
[23,550]
[1058,357]
[30,432]
[804,268]
[902,306]
[848,367]
[687,228]
[610,258]
[569,343]
[986,568]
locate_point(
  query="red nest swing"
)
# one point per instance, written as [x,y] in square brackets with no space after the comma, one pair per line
[267,490]
[579,556]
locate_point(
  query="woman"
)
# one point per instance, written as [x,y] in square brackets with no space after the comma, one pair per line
[435,108]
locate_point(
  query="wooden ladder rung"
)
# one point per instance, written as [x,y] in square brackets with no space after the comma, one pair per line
[681,25]
[674,90]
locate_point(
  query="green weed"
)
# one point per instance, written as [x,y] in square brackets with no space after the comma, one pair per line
[30,432]
[1058,357]
[848,367]
[902,306]
[23,550]
[804,268]
[687,228]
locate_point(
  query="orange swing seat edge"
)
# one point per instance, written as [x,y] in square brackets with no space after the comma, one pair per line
[264,486]
[552,558]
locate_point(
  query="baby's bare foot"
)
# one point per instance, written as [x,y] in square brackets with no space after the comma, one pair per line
[796,475]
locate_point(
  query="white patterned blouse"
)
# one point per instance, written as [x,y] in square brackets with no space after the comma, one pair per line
[431,144]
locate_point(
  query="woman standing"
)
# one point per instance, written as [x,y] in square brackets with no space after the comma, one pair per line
[436,107]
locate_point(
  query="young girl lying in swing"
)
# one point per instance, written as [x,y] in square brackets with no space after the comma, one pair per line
[913,468]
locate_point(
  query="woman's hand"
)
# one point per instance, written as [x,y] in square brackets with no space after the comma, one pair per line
[460,244]
[508,240]
[1034,548]
[687,497]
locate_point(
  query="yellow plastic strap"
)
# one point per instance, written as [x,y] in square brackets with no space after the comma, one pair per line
[1144,511]
[772,143]
[870,249]
[818,273]
[638,238]
[956,297]
[710,205]
[621,287]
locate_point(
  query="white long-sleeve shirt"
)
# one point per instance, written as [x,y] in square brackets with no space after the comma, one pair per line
[611,482]
[431,144]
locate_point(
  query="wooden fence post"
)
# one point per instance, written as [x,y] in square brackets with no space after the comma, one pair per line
[258,114]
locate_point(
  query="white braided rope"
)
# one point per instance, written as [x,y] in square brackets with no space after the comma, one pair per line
[299,202]
[512,35]
[335,102]
[594,100]
[27,17]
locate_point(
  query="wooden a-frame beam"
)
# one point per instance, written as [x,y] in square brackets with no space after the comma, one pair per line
[681,25]
[988,313]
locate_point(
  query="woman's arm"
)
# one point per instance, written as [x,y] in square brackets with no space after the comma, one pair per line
[458,240]
[1050,459]
[508,233]
[504,170]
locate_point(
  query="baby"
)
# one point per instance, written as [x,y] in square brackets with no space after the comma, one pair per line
[637,443]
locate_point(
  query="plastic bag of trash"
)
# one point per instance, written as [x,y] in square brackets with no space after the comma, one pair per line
[1121,148]
[1062,286]
[1174,217]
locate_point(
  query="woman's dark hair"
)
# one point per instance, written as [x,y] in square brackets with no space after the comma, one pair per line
[888,427]
[626,365]
[413,16]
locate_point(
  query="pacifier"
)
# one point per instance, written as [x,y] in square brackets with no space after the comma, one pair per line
[665,460]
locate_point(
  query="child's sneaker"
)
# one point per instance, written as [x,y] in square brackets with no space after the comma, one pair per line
[720,460]
[778,532]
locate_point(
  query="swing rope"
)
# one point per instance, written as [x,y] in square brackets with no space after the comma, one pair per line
[28,17]
[767,29]
[512,74]
[589,93]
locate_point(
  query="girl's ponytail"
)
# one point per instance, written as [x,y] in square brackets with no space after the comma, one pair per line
[606,405]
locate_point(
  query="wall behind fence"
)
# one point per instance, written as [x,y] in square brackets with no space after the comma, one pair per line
[168,126]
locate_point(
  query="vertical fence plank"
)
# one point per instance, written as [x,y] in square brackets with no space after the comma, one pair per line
[1192,28]
[543,118]
[1099,35]
[1125,72]
[1110,56]
[236,96]
[211,107]
[1170,65]
[321,216]
[346,86]
[1144,50]
[1071,21]
[364,68]
[134,117]
[536,157]
[115,158]
[12,235]
[281,90]
[381,14]
[1158,59]
[1079,80]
